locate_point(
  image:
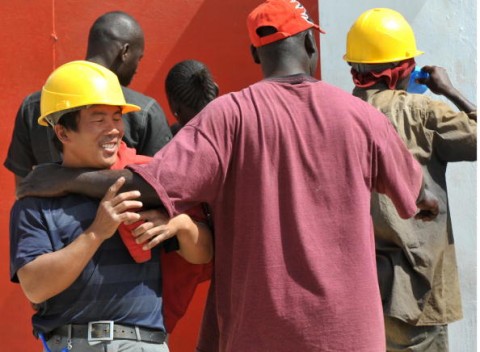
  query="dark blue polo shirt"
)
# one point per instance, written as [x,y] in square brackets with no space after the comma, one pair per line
[111,287]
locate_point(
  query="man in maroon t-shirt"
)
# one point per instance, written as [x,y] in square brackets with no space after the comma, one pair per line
[288,166]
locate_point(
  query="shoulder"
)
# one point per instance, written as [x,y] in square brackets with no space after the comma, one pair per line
[137,98]
[31,103]
[330,98]
[29,110]
[30,207]
[398,104]
[339,95]
[398,98]
[32,98]
[127,155]
[150,108]
[41,204]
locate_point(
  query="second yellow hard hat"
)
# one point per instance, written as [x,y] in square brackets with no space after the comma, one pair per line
[380,35]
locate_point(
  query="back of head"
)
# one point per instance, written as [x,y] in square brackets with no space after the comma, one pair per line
[378,36]
[76,85]
[116,41]
[189,84]
[285,18]
[276,29]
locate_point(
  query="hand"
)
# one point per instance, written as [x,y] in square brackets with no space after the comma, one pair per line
[438,81]
[45,180]
[428,205]
[156,228]
[115,209]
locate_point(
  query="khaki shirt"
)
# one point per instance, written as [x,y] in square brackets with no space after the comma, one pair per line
[416,260]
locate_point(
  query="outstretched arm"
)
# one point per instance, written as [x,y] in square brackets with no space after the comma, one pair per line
[439,83]
[53,180]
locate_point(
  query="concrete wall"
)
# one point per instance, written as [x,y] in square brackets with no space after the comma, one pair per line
[446,31]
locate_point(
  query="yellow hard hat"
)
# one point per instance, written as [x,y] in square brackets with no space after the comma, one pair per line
[77,84]
[378,36]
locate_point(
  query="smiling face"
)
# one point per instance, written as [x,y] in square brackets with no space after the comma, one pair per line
[96,140]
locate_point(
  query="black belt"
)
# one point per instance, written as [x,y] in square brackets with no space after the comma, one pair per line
[108,331]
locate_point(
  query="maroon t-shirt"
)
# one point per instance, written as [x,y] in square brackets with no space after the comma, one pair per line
[288,166]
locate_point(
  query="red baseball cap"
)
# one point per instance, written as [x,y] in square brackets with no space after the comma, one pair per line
[288,17]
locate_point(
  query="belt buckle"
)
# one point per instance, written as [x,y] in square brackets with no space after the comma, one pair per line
[101,330]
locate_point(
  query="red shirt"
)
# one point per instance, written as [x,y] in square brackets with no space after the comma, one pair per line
[179,278]
[288,167]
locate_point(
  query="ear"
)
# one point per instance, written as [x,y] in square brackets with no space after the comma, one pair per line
[254,53]
[217,90]
[174,107]
[61,133]
[125,51]
[310,44]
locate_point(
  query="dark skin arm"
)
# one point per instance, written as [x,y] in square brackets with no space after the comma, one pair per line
[53,180]
[439,83]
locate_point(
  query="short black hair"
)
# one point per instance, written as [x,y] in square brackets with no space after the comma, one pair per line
[69,121]
[111,28]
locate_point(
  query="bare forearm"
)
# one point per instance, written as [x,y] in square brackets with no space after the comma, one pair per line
[52,273]
[462,103]
[95,183]
[54,180]
[439,83]
[195,240]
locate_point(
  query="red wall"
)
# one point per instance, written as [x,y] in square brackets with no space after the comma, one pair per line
[212,31]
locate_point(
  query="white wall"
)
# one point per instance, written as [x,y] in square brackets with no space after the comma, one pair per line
[446,31]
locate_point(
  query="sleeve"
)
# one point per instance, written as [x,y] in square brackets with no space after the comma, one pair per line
[191,169]
[395,171]
[20,158]
[156,132]
[29,236]
[455,133]
[126,156]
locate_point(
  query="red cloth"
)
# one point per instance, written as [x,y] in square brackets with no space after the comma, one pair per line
[126,156]
[390,76]
[180,278]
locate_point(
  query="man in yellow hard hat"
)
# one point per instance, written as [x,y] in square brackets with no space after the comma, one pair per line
[88,291]
[416,262]
[115,41]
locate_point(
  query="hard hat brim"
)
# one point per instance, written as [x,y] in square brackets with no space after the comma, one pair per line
[126,108]
[382,61]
